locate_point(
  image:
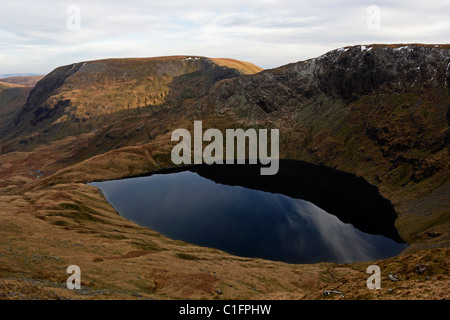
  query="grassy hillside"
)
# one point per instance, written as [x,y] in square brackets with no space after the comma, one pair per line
[381,112]
[12,98]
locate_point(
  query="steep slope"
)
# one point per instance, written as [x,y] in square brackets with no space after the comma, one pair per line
[12,98]
[75,98]
[379,111]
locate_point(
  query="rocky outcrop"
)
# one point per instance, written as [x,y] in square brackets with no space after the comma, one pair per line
[346,73]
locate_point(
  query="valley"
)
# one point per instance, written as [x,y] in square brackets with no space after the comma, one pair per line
[380,112]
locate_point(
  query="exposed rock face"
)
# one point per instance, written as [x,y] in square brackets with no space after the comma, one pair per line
[381,112]
[346,73]
[382,100]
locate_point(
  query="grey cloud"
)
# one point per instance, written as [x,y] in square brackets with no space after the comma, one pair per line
[267,32]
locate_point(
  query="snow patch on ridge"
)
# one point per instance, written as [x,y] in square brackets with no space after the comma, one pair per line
[191,58]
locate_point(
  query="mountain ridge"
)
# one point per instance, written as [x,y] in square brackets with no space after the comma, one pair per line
[379,112]
[78,91]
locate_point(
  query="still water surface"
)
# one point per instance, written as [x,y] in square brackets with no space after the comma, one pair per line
[242,221]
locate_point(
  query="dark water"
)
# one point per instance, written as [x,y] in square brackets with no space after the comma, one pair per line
[242,221]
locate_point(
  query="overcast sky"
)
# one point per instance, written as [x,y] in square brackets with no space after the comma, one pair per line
[38,36]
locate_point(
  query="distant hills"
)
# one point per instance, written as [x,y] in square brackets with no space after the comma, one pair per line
[14,91]
[8,75]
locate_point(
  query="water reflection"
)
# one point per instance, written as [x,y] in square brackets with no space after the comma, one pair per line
[242,221]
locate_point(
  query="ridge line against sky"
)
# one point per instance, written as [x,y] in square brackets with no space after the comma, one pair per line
[38,36]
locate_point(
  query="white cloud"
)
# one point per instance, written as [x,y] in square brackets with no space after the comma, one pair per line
[34,36]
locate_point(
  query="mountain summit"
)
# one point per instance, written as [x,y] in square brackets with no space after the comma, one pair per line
[114,88]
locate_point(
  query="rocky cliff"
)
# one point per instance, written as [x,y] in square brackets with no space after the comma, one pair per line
[380,111]
[12,98]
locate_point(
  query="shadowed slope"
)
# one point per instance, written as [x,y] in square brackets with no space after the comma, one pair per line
[77,93]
